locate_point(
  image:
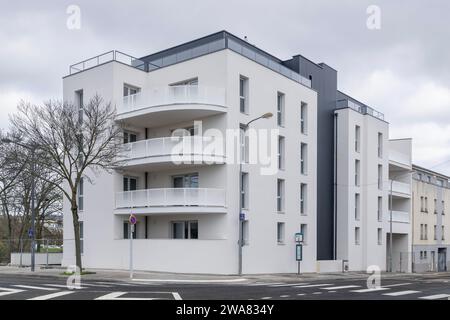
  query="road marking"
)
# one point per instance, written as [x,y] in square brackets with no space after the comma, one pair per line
[370,290]
[60,286]
[284,296]
[118,284]
[288,285]
[34,287]
[400,293]
[318,292]
[9,291]
[52,295]
[397,284]
[176,296]
[266,298]
[96,285]
[191,281]
[314,285]
[332,291]
[300,294]
[436,296]
[340,287]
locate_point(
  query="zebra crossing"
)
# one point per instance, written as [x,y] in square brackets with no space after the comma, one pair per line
[96,290]
[395,290]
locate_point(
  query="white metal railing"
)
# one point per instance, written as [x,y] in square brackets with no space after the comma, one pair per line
[398,216]
[165,197]
[400,187]
[159,96]
[174,146]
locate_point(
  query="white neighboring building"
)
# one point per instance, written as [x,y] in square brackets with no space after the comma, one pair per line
[361,176]
[188,215]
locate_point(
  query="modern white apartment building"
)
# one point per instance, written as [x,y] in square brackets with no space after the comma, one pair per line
[188,214]
[431,220]
[362,172]
[327,176]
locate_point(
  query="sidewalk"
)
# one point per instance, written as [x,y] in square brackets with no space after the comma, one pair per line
[147,276]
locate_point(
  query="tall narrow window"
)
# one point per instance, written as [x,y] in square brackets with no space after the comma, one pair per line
[303,117]
[81,224]
[81,194]
[380,209]
[426,204]
[280,109]
[303,158]
[243,141]
[79,101]
[443,207]
[380,145]
[357,206]
[304,232]
[244,190]
[380,236]
[426,231]
[281,151]
[435,232]
[357,170]
[443,233]
[422,207]
[243,94]
[380,177]
[357,138]
[357,236]
[280,195]
[435,206]
[129,184]
[280,232]
[421,232]
[303,197]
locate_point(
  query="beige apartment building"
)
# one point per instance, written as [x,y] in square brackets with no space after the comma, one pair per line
[431,220]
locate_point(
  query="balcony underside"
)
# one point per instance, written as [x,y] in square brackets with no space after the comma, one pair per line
[170,161]
[157,116]
[171,210]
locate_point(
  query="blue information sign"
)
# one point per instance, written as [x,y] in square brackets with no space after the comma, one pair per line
[298,252]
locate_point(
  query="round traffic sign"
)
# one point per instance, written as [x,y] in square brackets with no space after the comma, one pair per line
[132,219]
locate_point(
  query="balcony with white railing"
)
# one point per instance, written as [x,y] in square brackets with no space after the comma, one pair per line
[202,100]
[176,150]
[398,216]
[171,200]
[401,189]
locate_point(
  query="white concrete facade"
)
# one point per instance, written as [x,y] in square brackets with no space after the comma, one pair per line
[213,202]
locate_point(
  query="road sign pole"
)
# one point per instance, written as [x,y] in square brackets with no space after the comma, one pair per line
[131,250]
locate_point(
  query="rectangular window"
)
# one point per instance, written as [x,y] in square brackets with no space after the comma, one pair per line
[303,158]
[184,229]
[357,178]
[127,230]
[81,236]
[245,232]
[304,231]
[443,207]
[435,232]
[303,118]
[280,232]
[243,141]
[422,207]
[281,150]
[380,209]
[243,94]
[280,195]
[435,206]
[380,236]
[244,190]
[357,206]
[426,204]
[425,227]
[425,254]
[280,109]
[357,138]
[443,233]
[129,137]
[380,177]
[357,235]
[129,184]
[81,194]
[129,90]
[421,232]
[380,145]
[303,195]
[79,102]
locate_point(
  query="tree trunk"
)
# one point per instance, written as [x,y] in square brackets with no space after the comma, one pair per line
[76,229]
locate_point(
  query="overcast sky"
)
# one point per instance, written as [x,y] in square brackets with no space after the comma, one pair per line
[401,69]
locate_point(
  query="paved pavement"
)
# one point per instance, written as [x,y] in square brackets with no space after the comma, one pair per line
[24,286]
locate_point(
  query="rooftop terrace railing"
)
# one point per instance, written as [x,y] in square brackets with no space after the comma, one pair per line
[345,103]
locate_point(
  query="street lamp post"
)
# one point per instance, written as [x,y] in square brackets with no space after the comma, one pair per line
[241,221]
[32,149]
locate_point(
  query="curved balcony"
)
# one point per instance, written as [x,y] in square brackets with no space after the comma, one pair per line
[156,106]
[167,151]
[171,200]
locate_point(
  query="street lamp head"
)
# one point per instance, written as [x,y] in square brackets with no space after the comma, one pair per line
[267,115]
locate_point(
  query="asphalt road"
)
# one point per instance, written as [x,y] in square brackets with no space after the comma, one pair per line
[415,287]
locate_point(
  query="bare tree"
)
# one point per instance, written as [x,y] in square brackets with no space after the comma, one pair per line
[77,141]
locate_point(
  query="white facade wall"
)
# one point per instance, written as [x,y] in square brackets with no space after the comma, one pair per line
[216,250]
